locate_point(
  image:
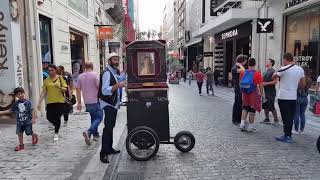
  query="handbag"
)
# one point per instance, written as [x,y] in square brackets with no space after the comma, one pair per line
[68,100]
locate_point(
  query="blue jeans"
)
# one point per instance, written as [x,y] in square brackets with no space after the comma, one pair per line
[96,114]
[300,117]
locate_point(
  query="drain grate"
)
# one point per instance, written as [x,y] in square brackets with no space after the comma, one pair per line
[129,176]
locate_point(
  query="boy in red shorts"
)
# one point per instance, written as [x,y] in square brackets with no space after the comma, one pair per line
[252,91]
[26,116]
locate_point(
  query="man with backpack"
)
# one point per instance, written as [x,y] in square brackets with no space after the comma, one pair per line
[289,76]
[252,91]
[236,70]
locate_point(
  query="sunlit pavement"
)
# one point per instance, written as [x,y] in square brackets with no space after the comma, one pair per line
[222,151]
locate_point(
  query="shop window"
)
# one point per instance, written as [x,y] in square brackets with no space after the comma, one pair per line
[77,54]
[46,43]
[303,38]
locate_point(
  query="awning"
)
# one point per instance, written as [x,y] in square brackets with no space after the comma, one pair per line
[229,19]
[193,41]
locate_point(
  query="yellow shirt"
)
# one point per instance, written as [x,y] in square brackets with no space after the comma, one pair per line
[54,94]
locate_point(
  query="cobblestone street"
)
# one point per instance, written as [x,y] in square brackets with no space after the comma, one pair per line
[222,151]
[67,158]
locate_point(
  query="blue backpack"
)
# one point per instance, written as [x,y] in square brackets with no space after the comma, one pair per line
[247,84]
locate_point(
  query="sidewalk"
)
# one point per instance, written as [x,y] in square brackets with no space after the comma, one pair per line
[68,158]
[228,94]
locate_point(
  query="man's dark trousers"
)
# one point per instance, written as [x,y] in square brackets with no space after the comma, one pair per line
[237,106]
[287,110]
[110,115]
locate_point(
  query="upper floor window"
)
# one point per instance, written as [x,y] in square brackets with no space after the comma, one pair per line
[81,6]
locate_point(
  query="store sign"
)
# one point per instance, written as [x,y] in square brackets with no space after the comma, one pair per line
[302,60]
[229,34]
[212,7]
[208,54]
[265,26]
[105,33]
[292,3]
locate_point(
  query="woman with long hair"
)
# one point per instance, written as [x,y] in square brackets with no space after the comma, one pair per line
[54,88]
[302,102]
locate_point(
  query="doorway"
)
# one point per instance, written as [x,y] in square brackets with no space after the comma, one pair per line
[243,46]
[77,46]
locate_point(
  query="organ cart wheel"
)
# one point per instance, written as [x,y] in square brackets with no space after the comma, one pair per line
[184,141]
[318,144]
[142,143]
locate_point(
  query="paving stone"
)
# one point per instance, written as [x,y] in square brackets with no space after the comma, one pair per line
[222,151]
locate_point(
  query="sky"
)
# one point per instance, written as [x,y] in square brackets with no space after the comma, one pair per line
[151,14]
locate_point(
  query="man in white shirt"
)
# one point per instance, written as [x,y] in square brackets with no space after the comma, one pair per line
[289,76]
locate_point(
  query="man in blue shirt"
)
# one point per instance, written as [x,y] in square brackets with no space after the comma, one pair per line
[109,98]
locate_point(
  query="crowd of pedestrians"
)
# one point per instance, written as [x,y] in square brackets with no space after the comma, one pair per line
[101,95]
[254,92]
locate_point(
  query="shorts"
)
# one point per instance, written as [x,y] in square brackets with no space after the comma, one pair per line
[249,109]
[24,128]
[269,104]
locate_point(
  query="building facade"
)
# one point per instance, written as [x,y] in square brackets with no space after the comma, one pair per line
[62,32]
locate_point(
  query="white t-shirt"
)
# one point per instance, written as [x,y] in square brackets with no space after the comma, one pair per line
[289,81]
[318,79]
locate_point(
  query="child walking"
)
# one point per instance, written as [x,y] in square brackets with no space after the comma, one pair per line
[26,116]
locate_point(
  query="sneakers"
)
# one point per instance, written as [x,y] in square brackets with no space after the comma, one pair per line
[285,139]
[243,125]
[276,123]
[34,139]
[86,137]
[104,158]
[19,148]
[295,132]
[56,137]
[200,94]
[265,121]
[252,129]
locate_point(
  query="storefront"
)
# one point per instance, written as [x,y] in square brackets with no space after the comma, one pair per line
[229,44]
[78,48]
[302,37]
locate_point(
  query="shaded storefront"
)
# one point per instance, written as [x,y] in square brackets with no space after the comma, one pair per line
[302,38]
[229,44]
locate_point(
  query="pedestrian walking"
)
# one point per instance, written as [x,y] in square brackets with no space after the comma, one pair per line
[237,68]
[216,75]
[88,86]
[252,91]
[200,79]
[209,81]
[190,74]
[109,101]
[54,89]
[290,76]
[68,78]
[302,102]
[184,74]
[25,117]
[270,93]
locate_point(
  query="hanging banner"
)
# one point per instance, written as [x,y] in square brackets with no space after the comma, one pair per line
[11,70]
[105,33]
